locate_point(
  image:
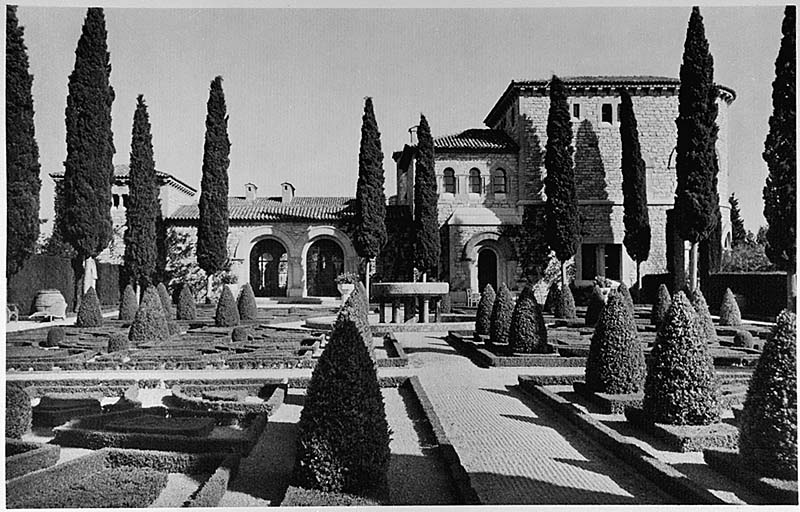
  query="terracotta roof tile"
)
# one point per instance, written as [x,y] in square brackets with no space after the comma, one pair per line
[272,209]
[480,139]
[122,173]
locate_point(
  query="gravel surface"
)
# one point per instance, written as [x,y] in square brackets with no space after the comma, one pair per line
[179,488]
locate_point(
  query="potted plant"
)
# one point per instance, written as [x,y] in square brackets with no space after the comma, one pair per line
[346,283]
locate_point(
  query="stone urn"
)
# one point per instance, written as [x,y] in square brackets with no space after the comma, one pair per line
[345,289]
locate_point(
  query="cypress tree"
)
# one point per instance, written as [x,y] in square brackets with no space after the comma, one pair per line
[22,151]
[483,316]
[729,313]
[370,235]
[780,153]
[634,188]
[738,233]
[212,230]
[501,316]
[139,261]
[696,197]
[88,169]
[527,333]
[562,222]
[426,223]
[534,253]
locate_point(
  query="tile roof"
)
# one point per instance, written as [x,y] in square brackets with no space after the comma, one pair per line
[481,139]
[273,209]
[122,173]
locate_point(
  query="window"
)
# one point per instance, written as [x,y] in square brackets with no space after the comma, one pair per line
[116,200]
[499,181]
[124,200]
[607,113]
[588,261]
[613,253]
[601,260]
[475,181]
[576,111]
[619,109]
[449,181]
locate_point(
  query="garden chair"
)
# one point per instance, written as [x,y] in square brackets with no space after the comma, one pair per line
[12,313]
[472,298]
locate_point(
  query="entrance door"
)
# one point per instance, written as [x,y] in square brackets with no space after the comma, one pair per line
[487,269]
[324,261]
[269,266]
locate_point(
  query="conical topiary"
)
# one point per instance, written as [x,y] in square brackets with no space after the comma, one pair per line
[625,293]
[227,314]
[128,305]
[552,296]
[704,316]
[528,333]
[343,435]
[149,324]
[483,317]
[729,310]
[501,316]
[55,336]
[744,339]
[89,314]
[247,303]
[565,305]
[616,358]
[660,306]
[354,310]
[166,301]
[596,303]
[681,387]
[768,424]
[19,416]
[187,309]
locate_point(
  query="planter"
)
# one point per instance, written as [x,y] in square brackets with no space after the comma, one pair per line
[345,289]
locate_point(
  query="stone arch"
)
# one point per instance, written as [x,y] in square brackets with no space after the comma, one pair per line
[317,233]
[498,244]
[251,237]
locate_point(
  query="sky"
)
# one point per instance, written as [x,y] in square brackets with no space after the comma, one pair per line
[295,79]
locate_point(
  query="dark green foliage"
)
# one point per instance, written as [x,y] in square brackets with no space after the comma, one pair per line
[227,314]
[22,152]
[120,487]
[552,296]
[173,327]
[565,305]
[696,166]
[681,387]
[780,153]
[744,339]
[426,198]
[128,305]
[88,169]
[768,426]
[19,414]
[239,333]
[149,324]
[704,321]
[143,209]
[562,222]
[299,497]
[533,251]
[89,314]
[738,233]
[186,307]
[660,306]
[355,310]
[502,311]
[616,358]
[527,334]
[370,236]
[55,336]
[212,229]
[626,296]
[483,316]
[166,301]
[634,184]
[118,342]
[246,303]
[343,435]
[729,310]
[596,304]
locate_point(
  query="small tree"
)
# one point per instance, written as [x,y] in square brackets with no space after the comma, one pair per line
[187,309]
[246,303]
[616,358]
[89,314]
[596,304]
[681,387]
[738,233]
[166,300]
[483,317]
[660,306]
[227,315]
[704,321]
[729,310]
[427,245]
[128,304]
[501,316]
[565,305]
[527,334]
[149,324]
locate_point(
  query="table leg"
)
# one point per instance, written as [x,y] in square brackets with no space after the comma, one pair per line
[424,314]
[381,312]
[395,311]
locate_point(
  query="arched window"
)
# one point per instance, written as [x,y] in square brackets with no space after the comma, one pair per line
[449,181]
[475,180]
[499,181]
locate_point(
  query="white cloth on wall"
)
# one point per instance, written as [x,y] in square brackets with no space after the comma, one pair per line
[89,274]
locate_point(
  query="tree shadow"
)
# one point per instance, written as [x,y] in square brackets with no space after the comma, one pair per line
[532,154]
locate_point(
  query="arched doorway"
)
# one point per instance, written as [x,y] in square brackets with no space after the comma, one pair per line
[269,269]
[324,261]
[487,268]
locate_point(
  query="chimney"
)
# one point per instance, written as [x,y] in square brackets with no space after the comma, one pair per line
[287,192]
[412,132]
[250,192]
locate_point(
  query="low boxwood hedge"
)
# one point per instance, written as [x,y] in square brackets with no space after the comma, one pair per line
[191,427]
[212,491]
[18,411]
[25,457]
[301,497]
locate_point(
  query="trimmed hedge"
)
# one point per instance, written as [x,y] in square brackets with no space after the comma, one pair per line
[729,313]
[704,317]
[623,290]
[212,491]
[227,314]
[148,424]
[355,309]
[166,300]
[187,309]
[24,457]
[502,311]
[483,316]
[118,342]
[300,497]
[596,304]
[527,334]
[660,306]
[128,305]
[19,414]
[763,293]
[565,305]
[55,335]
[149,324]
[246,303]
[744,339]
[552,296]
[239,333]
[89,314]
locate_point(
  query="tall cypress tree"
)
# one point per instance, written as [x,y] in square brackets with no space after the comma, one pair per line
[22,152]
[89,170]
[738,233]
[370,228]
[139,261]
[427,245]
[562,221]
[696,197]
[212,231]
[634,188]
[780,153]
[534,253]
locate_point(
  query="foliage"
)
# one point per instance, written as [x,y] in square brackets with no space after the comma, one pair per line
[212,229]
[634,184]
[55,335]
[595,307]
[227,314]
[186,306]
[149,324]
[356,309]
[239,333]
[616,358]
[527,334]
[246,303]
[166,300]
[768,426]
[681,387]
[744,339]
[738,233]
[565,305]
[483,316]
[173,327]
[660,306]
[19,415]
[128,305]
[552,296]
[370,230]
[704,321]
[603,282]
[534,254]
[22,151]
[347,278]
[626,297]
[118,342]
[749,256]
[89,314]
[427,245]
[502,311]
[729,313]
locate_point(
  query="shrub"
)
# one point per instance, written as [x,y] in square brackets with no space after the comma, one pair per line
[552,296]
[227,314]
[768,426]
[704,320]
[239,333]
[623,290]
[616,358]
[173,328]
[118,342]
[186,306]
[55,336]
[343,435]
[660,306]
[729,310]
[355,309]
[149,324]
[120,487]
[19,415]
[483,316]
[128,305]
[501,316]
[89,314]
[565,305]
[445,305]
[166,301]
[247,303]
[744,339]
[527,334]
[681,387]
[596,304]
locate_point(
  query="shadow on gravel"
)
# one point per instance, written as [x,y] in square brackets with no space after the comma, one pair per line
[529,419]
[702,472]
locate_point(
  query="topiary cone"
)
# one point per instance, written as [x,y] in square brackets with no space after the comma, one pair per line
[704,316]
[616,358]
[149,324]
[166,301]
[552,297]
[729,313]
[768,424]
[354,310]
[483,316]
[89,314]
[246,303]
[660,306]
[501,317]
[623,290]
[527,334]
[128,305]
[19,415]
[187,309]
[565,305]
[596,303]
[227,314]
[681,387]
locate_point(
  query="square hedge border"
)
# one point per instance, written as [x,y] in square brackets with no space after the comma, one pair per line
[35,456]
[686,438]
[186,398]
[485,358]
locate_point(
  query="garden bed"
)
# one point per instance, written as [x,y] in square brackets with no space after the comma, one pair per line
[262,398]
[776,491]
[687,438]
[52,411]
[484,357]
[23,457]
